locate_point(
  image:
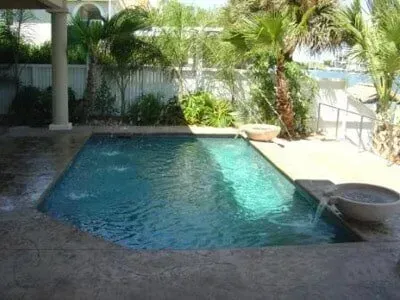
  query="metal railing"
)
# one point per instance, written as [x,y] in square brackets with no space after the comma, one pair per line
[361,124]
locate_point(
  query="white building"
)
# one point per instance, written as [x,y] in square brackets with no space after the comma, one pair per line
[37,29]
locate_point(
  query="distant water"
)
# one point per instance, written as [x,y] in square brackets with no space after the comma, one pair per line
[351,78]
[184,193]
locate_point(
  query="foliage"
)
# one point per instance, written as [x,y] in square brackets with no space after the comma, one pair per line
[237,9]
[180,35]
[126,52]
[32,106]
[375,41]
[203,108]
[39,54]
[302,88]
[104,104]
[113,42]
[21,109]
[276,31]
[34,54]
[146,110]
[200,108]
[86,37]
[172,113]
[223,56]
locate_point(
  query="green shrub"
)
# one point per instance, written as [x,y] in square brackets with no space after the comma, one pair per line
[146,110]
[33,107]
[21,109]
[75,109]
[40,54]
[203,108]
[195,109]
[42,109]
[76,55]
[172,113]
[221,115]
[303,90]
[34,54]
[104,104]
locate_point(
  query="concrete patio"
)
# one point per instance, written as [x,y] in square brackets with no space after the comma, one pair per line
[41,258]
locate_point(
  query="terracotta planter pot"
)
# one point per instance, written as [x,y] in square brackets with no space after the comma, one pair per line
[261,132]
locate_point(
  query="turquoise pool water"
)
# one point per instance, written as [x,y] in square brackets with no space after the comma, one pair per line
[184,193]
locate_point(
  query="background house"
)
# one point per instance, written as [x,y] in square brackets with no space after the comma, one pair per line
[37,27]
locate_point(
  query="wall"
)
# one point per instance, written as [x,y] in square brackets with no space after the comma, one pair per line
[343,119]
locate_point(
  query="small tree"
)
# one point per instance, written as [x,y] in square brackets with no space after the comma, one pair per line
[178,35]
[11,35]
[376,42]
[127,53]
[98,38]
[105,101]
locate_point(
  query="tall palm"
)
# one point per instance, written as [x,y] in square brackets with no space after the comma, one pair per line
[375,41]
[179,27]
[284,26]
[319,18]
[87,36]
[98,38]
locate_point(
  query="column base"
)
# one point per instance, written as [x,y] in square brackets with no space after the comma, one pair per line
[55,127]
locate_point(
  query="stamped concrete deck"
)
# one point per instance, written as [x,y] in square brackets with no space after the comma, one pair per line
[41,258]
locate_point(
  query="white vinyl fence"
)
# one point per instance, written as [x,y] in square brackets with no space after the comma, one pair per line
[145,81]
[339,115]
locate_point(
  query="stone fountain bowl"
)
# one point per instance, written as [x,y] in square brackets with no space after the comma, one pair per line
[365,202]
[261,132]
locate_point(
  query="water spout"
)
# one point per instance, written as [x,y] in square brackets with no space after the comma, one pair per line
[320,209]
[329,199]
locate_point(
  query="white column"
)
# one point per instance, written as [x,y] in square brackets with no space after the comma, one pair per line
[59,70]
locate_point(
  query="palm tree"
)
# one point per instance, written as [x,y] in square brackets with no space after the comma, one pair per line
[278,31]
[125,52]
[87,36]
[376,43]
[180,36]
[105,37]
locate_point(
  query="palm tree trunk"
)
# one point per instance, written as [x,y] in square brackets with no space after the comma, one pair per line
[122,83]
[283,104]
[90,88]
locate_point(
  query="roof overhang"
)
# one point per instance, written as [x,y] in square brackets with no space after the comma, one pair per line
[32,4]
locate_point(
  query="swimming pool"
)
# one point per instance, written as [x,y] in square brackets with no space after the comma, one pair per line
[163,192]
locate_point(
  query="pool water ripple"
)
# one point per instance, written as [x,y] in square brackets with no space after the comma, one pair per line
[184,193]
